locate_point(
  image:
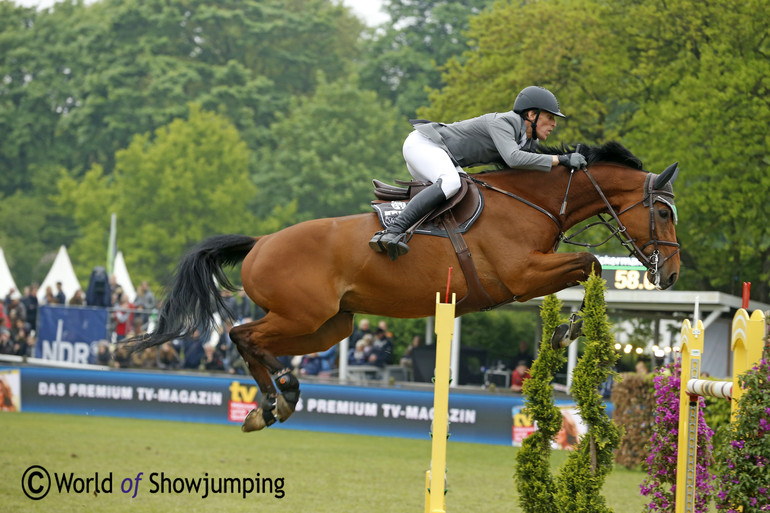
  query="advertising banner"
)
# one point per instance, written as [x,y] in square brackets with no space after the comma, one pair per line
[477,417]
[70,334]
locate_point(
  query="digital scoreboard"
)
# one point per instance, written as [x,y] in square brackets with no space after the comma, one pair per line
[624,273]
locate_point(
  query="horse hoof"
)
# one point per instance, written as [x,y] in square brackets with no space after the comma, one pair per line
[575,330]
[559,338]
[284,408]
[253,421]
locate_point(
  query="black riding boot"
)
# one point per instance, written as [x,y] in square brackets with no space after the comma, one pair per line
[392,238]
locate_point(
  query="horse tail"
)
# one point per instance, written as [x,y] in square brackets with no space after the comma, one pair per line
[193,295]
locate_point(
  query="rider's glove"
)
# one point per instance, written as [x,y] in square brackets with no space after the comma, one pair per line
[573,160]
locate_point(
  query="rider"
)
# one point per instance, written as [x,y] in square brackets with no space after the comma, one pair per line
[435,152]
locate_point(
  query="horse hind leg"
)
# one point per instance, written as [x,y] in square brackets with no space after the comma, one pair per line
[259,349]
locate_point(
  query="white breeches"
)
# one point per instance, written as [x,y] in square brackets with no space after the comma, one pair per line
[427,161]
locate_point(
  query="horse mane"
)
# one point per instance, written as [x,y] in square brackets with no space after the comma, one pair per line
[611,151]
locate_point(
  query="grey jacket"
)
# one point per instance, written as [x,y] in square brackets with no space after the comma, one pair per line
[488,139]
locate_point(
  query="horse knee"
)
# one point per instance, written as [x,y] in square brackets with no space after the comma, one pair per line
[589,263]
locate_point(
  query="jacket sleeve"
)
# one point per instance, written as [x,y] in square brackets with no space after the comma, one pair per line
[506,136]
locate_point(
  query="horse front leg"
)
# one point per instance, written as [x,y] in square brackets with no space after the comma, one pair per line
[552,272]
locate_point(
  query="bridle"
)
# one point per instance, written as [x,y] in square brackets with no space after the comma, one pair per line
[653,262]
[652,194]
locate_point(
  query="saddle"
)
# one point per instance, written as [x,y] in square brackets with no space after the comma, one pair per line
[465,206]
[450,219]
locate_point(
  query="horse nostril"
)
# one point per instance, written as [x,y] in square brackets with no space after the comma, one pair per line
[672,279]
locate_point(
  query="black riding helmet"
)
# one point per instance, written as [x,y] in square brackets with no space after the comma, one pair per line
[536,97]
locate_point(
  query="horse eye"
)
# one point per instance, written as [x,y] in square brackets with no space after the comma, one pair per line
[664,213]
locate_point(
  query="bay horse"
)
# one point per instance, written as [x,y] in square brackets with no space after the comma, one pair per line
[312,277]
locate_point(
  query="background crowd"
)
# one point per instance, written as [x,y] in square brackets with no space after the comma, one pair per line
[371,347]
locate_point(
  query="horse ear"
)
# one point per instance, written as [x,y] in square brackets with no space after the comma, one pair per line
[669,175]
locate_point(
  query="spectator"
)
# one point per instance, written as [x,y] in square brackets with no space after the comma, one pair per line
[117,295]
[123,315]
[322,363]
[60,297]
[167,357]
[519,375]
[30,304]
[383,325]
[137,328]
[382,348]
[15,308]
[192,350]
[19,337]
[77,299]
[359,355]
[7,300]
[49,299]
[31,342]
[5,322]
[103,354]
[145,300]
[147,358]
[406,360]
[6,344]
[364,328]
[121,358]
[213,359]
[231,304]
[641,368]
[116,291]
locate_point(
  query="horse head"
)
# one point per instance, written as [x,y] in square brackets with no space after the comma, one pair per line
[644,219]
[656,216]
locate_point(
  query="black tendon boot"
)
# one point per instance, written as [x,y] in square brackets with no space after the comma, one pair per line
[392,239]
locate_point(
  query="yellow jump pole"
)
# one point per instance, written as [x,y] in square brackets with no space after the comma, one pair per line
[691,350]
[747,343]
[435,501]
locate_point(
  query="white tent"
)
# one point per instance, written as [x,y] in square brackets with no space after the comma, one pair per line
[122,278]
[6,280]
[62,271]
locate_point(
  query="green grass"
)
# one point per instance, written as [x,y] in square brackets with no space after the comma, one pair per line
[323,472]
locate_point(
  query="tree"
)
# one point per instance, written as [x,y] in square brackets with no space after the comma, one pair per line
[327,149]
[674,80]
[170,190]
[78,81]
[403,57]
[714,120]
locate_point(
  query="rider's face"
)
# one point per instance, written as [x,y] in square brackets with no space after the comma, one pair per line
[545,124]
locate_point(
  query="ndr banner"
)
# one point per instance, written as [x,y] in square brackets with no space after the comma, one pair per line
[70,334]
